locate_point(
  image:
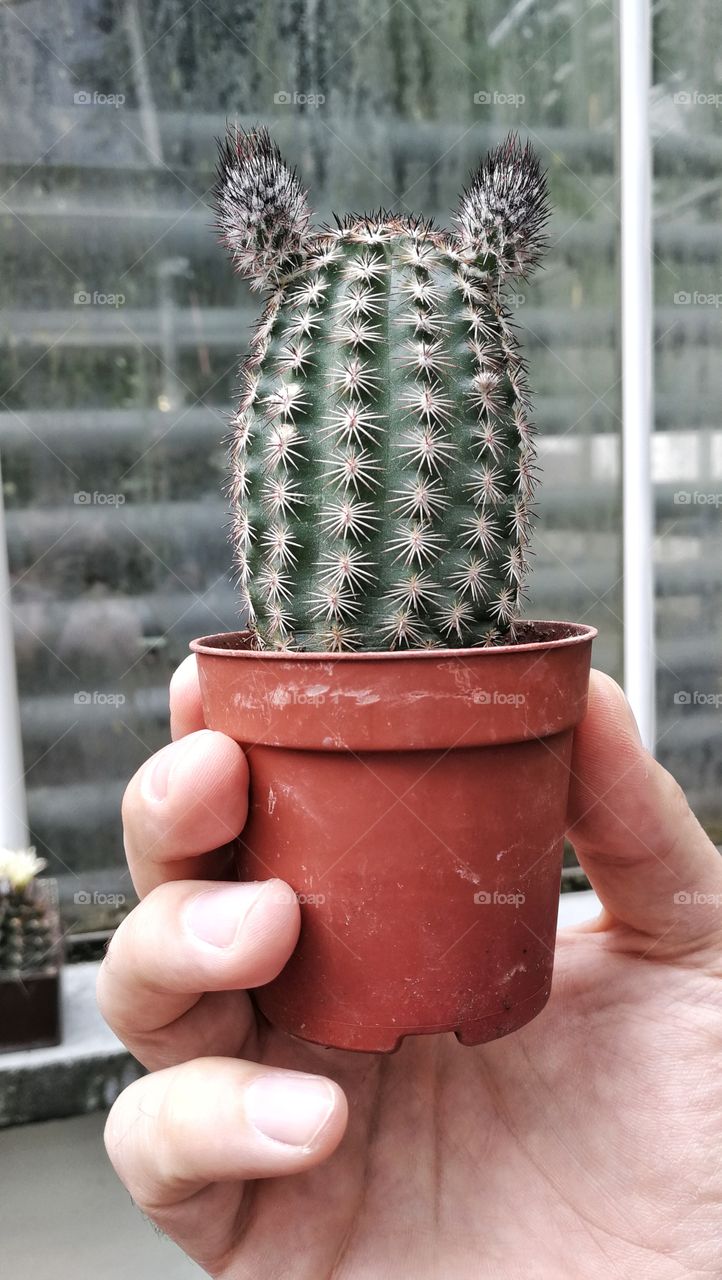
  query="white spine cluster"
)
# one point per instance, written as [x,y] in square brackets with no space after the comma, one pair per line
[260,206]
[504,210]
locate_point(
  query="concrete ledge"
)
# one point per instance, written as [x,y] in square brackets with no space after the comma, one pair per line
[85,1073]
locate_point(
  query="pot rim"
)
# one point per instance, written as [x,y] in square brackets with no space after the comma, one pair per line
[572,633]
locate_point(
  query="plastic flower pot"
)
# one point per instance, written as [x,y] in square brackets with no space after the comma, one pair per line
[30,1001]
[416,803]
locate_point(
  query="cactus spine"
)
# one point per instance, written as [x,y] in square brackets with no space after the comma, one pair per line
[382,459]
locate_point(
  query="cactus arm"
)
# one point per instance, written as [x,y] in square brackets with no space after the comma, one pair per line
[504,210]
[261,208]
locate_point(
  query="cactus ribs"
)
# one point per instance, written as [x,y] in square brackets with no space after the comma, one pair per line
[382,455]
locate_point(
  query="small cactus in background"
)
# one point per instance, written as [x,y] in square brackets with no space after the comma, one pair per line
[26,930]
[382,459]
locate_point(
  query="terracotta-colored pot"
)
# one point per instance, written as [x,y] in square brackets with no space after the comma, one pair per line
[416,802]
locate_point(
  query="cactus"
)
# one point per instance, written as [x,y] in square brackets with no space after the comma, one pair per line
[26,930]
[382,458]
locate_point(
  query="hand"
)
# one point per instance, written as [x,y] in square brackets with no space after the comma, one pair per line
[584,1146]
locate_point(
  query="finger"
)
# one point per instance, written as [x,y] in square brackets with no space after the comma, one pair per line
[186,939]
[186,712]
[187,800]
[173,1133]
[637,839]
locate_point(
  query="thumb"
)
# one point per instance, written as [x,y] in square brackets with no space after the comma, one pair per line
[636,837]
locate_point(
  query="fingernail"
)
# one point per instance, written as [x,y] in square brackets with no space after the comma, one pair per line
[216,915]
[156,778]
[290,1108]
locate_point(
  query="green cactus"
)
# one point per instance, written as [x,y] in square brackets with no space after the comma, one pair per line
[26,929]
[382,459]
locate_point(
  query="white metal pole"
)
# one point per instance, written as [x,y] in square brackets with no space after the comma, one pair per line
[13,808]
[635,33]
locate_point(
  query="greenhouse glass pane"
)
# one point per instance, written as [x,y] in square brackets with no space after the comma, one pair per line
[122,323]
[687,462]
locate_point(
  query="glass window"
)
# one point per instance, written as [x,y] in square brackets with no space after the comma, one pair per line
[122,326]
[687,463]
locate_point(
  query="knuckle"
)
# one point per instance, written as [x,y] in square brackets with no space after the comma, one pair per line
[111,1131]
[126,802]
[131,800]
[107,967]
[118,943]
[179,1111]
[131,1140]
[119,1134]
[676,799]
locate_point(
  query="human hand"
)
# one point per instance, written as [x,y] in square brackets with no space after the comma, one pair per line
[585,1145]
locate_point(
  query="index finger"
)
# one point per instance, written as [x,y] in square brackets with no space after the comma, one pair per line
[183,809]
[186,711]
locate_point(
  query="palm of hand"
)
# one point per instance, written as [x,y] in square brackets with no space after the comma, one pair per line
[531,1156]
[584,1146]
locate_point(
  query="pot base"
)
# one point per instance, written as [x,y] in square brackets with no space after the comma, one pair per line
[388,1039]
